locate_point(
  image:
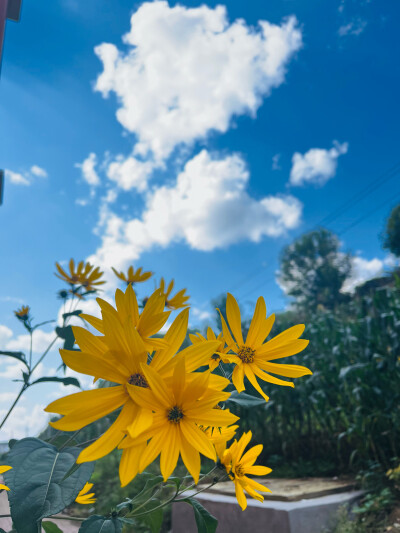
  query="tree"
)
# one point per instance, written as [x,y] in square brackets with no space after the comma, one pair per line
[391,240]
[313,270]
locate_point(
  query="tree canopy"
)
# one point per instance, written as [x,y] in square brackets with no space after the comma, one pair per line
[313,270]
[391,240]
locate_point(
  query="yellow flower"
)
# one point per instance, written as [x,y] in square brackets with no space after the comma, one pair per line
[22,313]
[177,301]
[238,466]
[118,356]
[85,275]
[220,436]
[3,469]
[179,406]
[83,498]
[133,276]
[215,359]
[253,357]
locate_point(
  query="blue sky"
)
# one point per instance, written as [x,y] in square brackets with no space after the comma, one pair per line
[197,147]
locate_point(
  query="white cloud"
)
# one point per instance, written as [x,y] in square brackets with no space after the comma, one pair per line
[275,162]
[130,173]
[88,168]
[38,171]
[316,166]
[189,71]
[25,421]
[16,178]
[207,208]
[41,341]
[5,335]
[355,27]
[201,314]
[365,269]
[26,177]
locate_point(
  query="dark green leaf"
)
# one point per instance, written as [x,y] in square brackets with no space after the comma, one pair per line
[97,524]
[206,523]
[154,519]
[12,442]
[2,530]
[16,355]
[38,489]
[67,334]
[51,527]
[64,381]
[72,313]
[245,400]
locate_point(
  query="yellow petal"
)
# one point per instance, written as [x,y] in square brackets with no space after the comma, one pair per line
[170,452]
[233,316]
[5,469]
[190,457]
[259,316]
[3,487]
[111,438]
[158,386]
[129,464]
[289,371]
[288,335]
[238,377]
[142,421]
[258,470]
[197,438]
[264,330]
[251,455]
[250,376]
[153,448]
[270,379]
[97,323]
[110,398]
[87,363]
[241,498]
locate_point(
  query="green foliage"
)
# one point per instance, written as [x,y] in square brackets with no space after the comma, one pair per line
[64,381]
[16,355]
[97,524]
[206,522]
[51,527]
[37,487]
[392,232]
[313,270]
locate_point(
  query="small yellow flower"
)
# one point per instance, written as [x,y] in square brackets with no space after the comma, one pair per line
[83,498]
[23,313]
[176,302]
[220,436]
[133,276]
[3,469]
[238,466]
[253,357]
[215,359]
[84,275]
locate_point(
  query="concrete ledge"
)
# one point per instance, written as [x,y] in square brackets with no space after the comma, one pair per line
[303,516]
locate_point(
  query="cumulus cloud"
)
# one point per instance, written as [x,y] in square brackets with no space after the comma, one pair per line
[207,207]
[365,269]
[26,420]
[188,71]
[130,173]
[88,169]
[316,166]
[5,335]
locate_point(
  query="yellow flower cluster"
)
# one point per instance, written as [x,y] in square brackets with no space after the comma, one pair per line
[171,400]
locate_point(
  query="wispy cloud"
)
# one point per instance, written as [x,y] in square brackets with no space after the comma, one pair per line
[27,177]
[355,27]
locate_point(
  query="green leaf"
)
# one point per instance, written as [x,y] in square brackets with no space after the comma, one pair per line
[151,482]
[72,313]
[245,400]
[16,355]
[38,489]
[67,334]
[64,381]
[206,522]
[97,524]
[51,527]
[154,519]
[2,530]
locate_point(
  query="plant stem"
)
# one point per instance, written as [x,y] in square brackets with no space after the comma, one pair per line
[23,389]
[30,350]
[44,354]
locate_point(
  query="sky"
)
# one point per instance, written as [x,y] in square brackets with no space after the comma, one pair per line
[193,139]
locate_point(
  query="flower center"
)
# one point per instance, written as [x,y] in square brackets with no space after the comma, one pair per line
[175,414]
[239,470]
[139,380]
[246,354]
